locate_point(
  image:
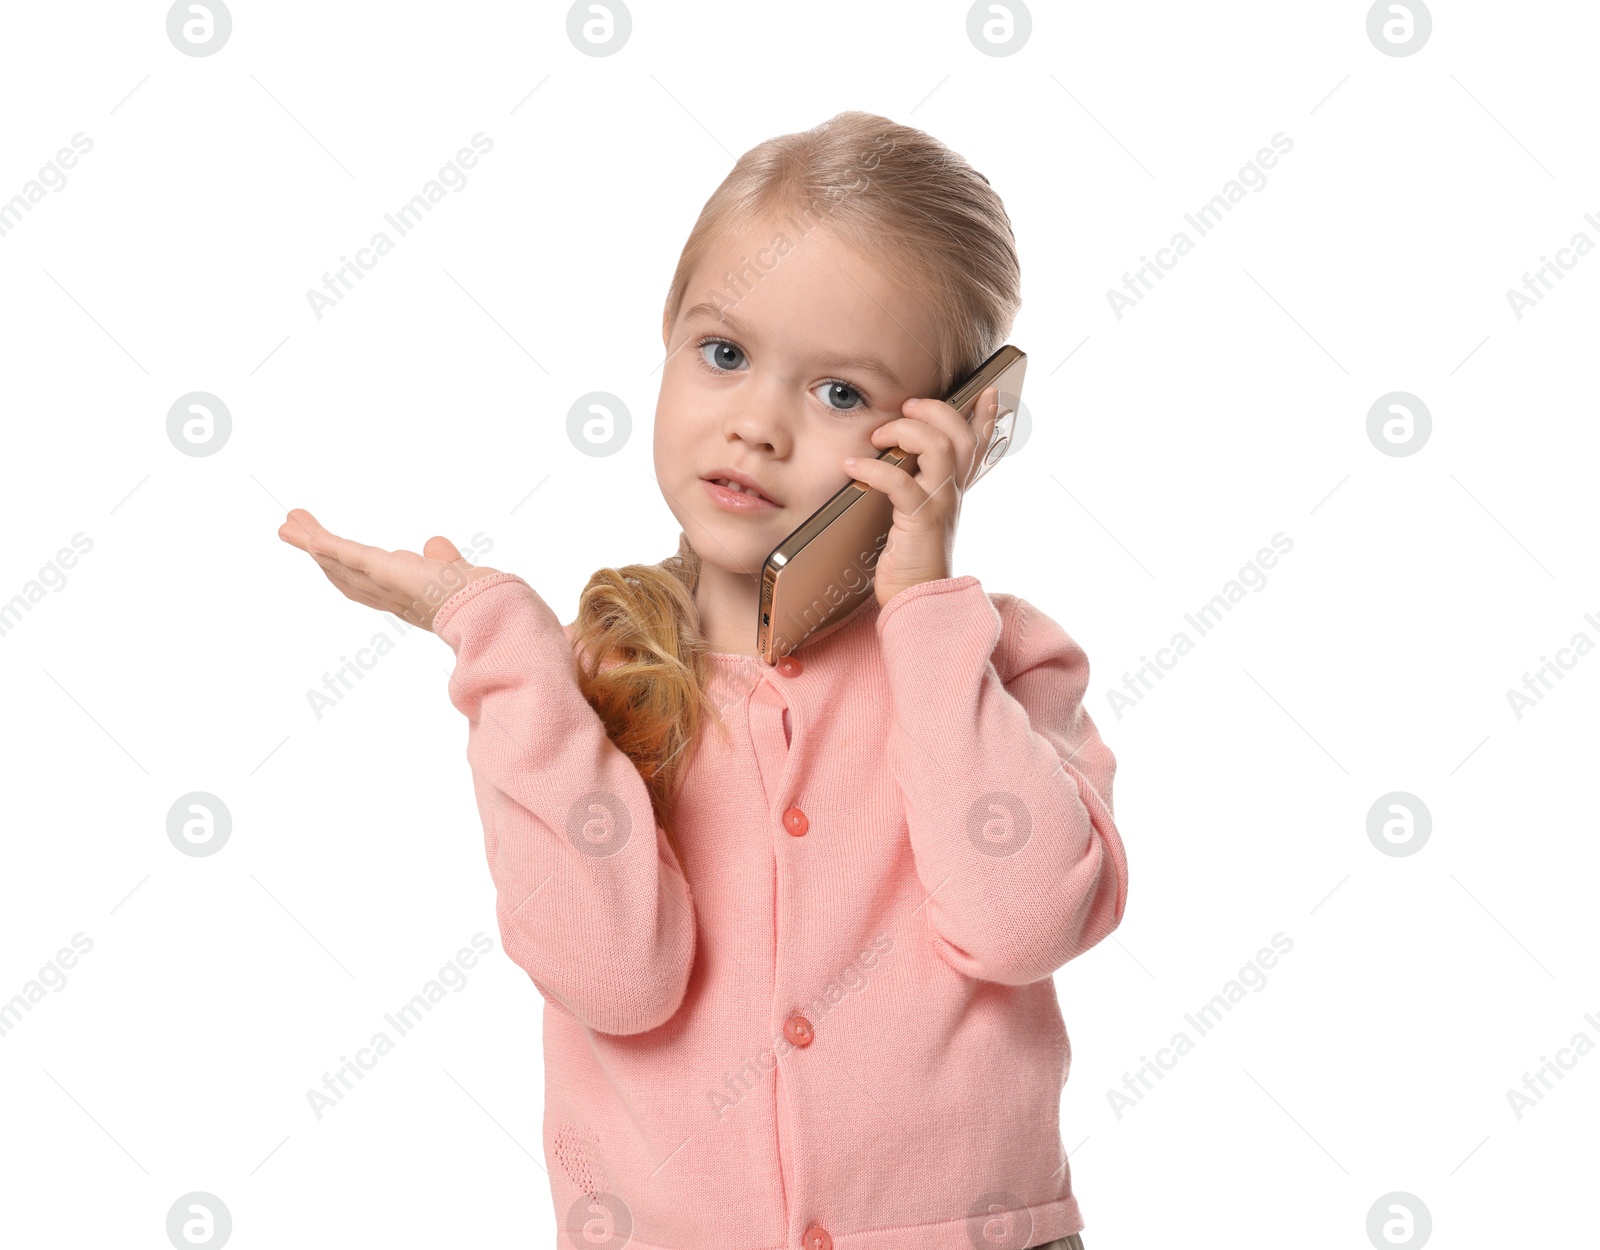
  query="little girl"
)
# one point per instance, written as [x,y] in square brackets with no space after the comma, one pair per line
[794,925]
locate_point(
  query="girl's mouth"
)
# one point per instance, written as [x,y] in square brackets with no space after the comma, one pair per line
[736,499]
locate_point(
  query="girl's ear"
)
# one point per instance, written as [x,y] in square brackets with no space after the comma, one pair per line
[666,325]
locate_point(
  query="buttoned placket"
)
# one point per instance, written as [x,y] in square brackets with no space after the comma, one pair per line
[772,699]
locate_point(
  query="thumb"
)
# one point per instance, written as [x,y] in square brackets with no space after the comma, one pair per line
[440,548]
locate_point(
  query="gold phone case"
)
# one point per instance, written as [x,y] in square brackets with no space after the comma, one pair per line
[824,569]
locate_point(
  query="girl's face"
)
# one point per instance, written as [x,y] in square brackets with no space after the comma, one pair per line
[814,349]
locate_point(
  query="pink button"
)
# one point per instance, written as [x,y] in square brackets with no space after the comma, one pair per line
[816,1238]
[794,820]
[798,1030]
[789,666]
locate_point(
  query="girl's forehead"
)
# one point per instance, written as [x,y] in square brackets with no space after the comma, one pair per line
[813,280]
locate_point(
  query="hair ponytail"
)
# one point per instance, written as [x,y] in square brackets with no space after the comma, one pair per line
[642,666]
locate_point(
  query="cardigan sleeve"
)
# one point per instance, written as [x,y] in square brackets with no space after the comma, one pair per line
[1005,781]
[590,900]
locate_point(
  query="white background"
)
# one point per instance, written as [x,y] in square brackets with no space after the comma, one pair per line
[1166,448]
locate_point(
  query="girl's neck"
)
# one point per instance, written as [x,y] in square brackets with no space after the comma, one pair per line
[727,603]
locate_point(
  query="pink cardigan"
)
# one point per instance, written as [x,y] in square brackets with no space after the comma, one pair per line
[836,1026]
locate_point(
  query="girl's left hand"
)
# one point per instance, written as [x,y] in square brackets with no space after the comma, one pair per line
[411,586]
[927,506]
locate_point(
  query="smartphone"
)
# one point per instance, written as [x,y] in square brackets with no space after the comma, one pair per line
[824,569]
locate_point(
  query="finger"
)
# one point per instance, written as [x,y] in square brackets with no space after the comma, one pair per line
[977,431]
[903,491]
[440,548]
[385,569]
[350,591]
[969,435]
[983,410]
[930,440]
[985,416]
[357,582]
[347,562]
[455,572]
[913,434]
[951,420]
[298,527]
[984,413]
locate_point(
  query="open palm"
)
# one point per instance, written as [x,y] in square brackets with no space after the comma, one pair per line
[409,585]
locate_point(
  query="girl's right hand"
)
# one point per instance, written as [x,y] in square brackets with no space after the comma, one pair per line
[409,585]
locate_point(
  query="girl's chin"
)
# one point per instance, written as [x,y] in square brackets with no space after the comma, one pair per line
[735,547]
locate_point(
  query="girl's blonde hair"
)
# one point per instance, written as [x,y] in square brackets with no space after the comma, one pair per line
[935,226]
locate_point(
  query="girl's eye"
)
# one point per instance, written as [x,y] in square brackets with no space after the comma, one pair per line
[843,391]
[726,357]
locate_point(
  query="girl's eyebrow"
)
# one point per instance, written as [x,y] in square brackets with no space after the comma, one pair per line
[829,360]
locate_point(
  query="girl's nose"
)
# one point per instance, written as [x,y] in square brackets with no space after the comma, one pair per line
[763,419]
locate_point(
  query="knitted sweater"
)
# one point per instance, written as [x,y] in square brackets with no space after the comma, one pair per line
[834,1024]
